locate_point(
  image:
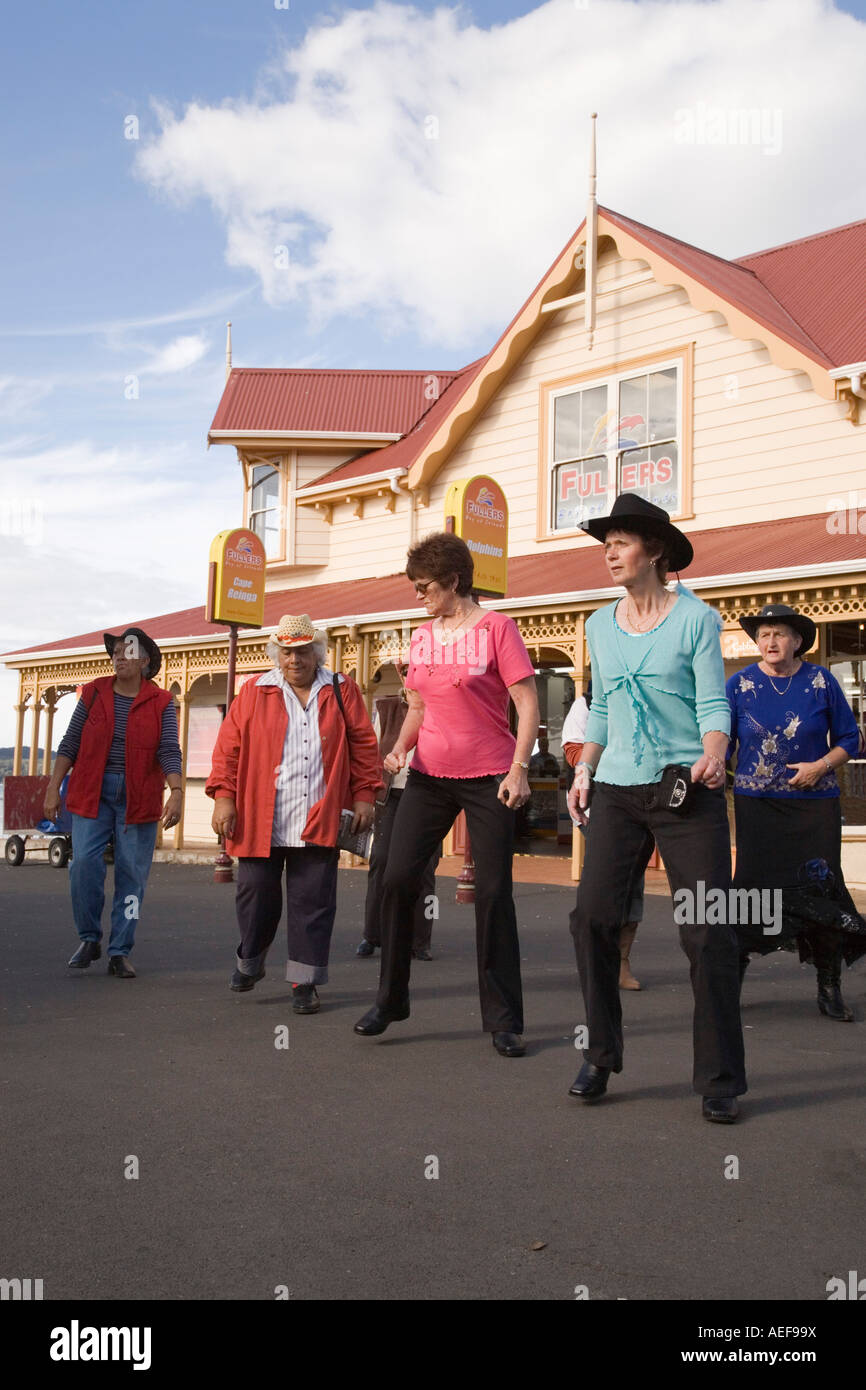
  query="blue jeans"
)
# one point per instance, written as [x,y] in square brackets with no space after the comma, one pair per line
[133,855]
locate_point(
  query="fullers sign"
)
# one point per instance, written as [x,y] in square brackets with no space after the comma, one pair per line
[476,510]
[236,579]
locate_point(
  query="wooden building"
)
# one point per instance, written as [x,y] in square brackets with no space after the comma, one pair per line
[730,392]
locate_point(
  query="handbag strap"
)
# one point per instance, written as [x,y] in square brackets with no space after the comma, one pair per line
[335,681]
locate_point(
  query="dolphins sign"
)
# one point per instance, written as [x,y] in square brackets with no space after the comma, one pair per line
[476,510]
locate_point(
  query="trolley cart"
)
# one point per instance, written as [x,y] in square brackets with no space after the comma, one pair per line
[26,829]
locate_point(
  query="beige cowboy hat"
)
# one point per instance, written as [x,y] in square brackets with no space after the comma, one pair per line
[296,630]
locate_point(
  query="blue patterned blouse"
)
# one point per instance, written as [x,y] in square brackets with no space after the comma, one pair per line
[787,721]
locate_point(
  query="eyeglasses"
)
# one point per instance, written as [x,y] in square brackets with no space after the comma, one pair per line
[422,588]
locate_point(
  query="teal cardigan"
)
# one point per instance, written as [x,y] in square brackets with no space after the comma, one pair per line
[655,694]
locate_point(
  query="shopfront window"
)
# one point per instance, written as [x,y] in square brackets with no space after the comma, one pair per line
[846,646]
[265,506]
[622,435]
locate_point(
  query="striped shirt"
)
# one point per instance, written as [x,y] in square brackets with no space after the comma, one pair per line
[300,777]
[168,753]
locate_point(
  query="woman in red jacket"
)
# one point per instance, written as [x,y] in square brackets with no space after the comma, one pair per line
[295,749]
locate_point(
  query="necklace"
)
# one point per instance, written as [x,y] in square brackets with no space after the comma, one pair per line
[445,634]
[654,618]
[774,685]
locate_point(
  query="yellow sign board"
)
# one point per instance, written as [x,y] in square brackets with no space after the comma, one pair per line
[236,585]
[476,510]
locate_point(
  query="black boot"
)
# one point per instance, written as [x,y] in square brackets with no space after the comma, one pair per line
[828,963]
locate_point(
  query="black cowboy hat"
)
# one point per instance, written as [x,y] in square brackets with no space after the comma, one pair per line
[779,613]
[146,643]
[633,513]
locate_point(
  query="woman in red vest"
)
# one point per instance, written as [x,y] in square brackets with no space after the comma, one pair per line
[122,747]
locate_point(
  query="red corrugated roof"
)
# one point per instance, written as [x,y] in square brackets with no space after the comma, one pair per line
[735,282]
[758,546]
[821,281]
[403,452]
[362,402]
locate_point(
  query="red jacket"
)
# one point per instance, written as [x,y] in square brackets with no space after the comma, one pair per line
[249,750]
[145,779]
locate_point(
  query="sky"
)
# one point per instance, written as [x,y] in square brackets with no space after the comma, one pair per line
[369,185]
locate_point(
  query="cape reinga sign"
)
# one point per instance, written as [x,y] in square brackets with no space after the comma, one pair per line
[476,510]
[236,579]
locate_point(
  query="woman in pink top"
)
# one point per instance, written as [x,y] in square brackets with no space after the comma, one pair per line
[466,665]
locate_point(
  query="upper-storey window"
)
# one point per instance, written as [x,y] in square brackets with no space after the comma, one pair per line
[265,506]
[621,434]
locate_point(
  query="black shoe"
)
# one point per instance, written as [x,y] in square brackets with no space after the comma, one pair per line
[591,1082]
[423,954]
[366,948]
[120,966]
[830,1000]
[376,1020]
[721,1110]
[509,1044]
[241,982]
[88,951]
[305,1000]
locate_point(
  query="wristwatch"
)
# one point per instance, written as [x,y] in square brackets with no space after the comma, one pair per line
[517,763]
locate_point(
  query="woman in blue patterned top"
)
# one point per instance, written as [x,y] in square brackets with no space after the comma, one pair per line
[793,728]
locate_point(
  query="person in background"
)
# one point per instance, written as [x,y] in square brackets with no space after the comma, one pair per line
[312,730]
[793,728]
[654,754]
[467,665]
[543,763]
[122,746]
[389,714]
[573,737]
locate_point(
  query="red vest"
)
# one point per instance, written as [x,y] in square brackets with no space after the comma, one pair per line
[145,779]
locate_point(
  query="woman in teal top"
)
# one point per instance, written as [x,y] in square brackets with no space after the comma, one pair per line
[654,761]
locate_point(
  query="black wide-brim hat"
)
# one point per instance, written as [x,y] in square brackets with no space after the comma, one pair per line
[146,643]
[633,513]
[773,613]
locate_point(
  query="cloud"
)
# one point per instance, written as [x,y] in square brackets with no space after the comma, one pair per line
[177,355]
[20,395]
[417,169]
[205,308]
[95,537]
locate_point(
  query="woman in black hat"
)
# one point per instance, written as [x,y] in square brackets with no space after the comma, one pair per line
[656,739]
[122,746]
[793,728]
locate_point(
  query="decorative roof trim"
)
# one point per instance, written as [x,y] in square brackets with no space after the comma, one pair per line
[523,329]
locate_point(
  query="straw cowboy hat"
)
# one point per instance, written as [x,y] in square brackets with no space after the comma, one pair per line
[296,631]
[633,513]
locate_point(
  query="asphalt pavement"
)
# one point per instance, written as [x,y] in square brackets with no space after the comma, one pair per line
[419,1165]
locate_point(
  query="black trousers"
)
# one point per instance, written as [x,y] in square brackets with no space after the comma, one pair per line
[695,848]
[422,923]
[311,901]
[428,808]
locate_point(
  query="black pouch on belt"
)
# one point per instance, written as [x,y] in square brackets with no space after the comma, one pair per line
[676,790]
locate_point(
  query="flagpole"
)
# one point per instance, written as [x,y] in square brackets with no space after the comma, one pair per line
[591,242]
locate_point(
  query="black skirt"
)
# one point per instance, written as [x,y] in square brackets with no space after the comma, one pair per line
[795,845]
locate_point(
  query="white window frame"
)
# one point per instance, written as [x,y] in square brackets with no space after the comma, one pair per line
[611,382]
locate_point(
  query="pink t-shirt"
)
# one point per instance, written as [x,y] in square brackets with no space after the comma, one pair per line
[464,686]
